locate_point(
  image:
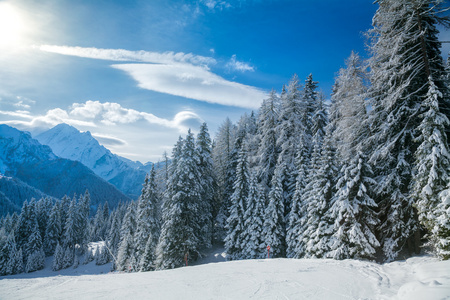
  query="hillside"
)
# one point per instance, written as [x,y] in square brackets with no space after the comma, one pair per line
[13,192]
[415,278]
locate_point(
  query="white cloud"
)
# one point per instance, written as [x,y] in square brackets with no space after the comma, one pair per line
[94,114]
[126,55]
[193,82]
[108,140]
[180,74]
[216,4]
[235,65]
[17,113]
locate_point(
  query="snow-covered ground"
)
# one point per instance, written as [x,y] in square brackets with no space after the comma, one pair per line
[416,278]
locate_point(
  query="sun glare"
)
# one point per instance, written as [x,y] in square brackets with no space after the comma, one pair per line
[11,25]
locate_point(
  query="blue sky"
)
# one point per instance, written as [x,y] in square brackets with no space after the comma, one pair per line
[137,74]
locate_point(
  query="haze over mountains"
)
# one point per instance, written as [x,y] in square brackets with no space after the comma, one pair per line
[30,169]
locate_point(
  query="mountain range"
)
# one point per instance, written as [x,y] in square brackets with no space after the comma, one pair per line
[30,169]
[68,142]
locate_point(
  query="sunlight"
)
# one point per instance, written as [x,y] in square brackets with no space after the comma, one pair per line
[11,25]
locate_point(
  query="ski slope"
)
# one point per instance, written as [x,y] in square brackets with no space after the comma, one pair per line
[416,278]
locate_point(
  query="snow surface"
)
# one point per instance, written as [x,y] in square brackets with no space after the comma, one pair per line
[416,278]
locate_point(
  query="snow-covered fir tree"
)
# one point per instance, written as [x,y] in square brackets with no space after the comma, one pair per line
[181,225]
[274,228]
[318,194]
[221,153]
[432,171]
[291,130]
[147,223]
[71,226]
[53,231]
[58,258]
[399,83]
[253,244]
[268,149]
[208,183]
[353,210]
[126,249]
[235,222]
[349,99]
[297,214]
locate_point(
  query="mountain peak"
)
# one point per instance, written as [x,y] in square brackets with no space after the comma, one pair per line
[68,142]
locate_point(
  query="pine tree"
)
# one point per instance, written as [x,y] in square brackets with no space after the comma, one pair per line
[58,258]
[252,240]
[296,222]
[68,259]
[53,231]
[113,239]
[11,260]
[126,248]
[82,216]
[353,212]
[15,264]
[235,222]
[432,171]
[318,193]
[208,207]
[406,53]
[350,109]
[180,233]
[71,226]
[148,258]
[268,148]
[274,230]
[147,224]
[221,154]
[291,131]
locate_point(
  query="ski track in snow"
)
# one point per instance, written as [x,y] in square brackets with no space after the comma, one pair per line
[213,278]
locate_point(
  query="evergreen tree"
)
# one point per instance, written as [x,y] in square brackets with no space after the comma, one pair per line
[127,246]
[350,109]
[34,252]
[268,148]
[292,129]
[353,212]
[71,228]
[274,231]
[97,225]
[9,257]
[208,207]
[58,258]
[296,222]
[147,224]
[15,263]
[399,83]
[318,193]
[53,231]
[432,171]
[253,240]
[235,222]
[68,259]
[180,233]
[82,216]
[221,157]
[113,239]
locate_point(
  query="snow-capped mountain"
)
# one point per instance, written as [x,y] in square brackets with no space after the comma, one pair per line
[68,142]
[34,164]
